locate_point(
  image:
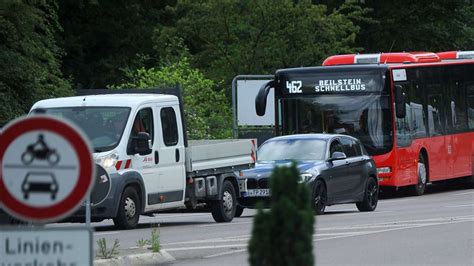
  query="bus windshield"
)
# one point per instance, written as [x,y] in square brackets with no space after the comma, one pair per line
[366,117]
[103,126]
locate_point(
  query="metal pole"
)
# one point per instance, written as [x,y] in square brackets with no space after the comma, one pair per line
[88,211]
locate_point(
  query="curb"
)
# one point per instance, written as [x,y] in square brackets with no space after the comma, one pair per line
[137,259]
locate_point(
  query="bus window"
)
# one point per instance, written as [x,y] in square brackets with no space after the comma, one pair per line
[435,115]
[404,128]
[457,118]
[470,102]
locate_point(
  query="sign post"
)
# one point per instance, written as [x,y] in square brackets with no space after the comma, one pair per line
[46,172]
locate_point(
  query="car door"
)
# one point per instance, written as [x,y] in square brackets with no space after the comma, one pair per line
[356,175]
[358,162]
[336,173]
[170,157]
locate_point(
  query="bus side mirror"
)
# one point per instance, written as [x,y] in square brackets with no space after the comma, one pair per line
[400,108]
[261,99]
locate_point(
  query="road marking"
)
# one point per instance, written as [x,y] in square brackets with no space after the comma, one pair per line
[223,224]
[106,233]
[225,253]
[393,229]
[394,201]
[357,213]
[174,216]
[465,193]
[208,247]
[214,240]
[460,206]
[326,236]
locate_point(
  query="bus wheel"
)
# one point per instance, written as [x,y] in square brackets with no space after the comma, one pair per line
[129,210]
[419,188]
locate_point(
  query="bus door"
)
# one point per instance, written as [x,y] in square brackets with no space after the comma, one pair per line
[439,145]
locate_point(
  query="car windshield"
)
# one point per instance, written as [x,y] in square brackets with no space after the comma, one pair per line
[292,149]
[103,126]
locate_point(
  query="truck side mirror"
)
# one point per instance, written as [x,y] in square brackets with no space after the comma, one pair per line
[400,108]
[141,144]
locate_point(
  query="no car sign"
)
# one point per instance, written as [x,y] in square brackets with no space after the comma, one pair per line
[46,169]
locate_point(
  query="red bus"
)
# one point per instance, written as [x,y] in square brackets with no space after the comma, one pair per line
[414,112]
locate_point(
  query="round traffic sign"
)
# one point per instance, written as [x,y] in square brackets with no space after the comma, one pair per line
[46,168]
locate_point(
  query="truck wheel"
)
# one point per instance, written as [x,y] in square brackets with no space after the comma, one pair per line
[371,196]
[422,176]
[223,210]
[129,210]
[238,211]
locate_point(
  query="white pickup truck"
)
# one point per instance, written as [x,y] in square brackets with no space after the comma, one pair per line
[140,143]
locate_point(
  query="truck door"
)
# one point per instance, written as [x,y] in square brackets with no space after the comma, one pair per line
[144,121]
[170,157]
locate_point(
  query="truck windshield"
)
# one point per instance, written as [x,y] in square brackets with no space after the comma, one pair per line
[292,149]
[103,126]
[366,117]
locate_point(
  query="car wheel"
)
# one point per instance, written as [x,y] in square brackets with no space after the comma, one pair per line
[371,196]
[419,188]
[320,197]
[129,210]
[223,210]
[238,211]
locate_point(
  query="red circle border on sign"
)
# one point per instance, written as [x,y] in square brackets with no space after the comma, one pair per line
[86,169]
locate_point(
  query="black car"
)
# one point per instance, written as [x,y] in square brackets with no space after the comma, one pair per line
[336,168]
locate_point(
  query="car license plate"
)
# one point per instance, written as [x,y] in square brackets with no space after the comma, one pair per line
[258,193]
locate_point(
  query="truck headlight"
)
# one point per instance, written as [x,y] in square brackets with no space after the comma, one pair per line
[108,160]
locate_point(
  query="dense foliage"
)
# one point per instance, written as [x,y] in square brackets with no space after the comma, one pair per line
[206,109]
[49,46]
[284,235]
[29,56]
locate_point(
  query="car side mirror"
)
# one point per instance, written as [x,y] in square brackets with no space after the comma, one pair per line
[141,144]
[337,155]
[400,108]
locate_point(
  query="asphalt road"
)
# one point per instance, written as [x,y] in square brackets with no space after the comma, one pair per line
[434,229]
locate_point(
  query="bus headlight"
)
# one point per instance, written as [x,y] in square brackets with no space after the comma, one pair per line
[384,170]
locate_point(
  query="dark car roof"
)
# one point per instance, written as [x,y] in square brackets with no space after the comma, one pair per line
[324,137]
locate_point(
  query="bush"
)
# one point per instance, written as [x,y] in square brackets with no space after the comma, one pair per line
[284,235]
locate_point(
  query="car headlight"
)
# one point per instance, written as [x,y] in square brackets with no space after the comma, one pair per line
[108,160]
[384,170]
[304,178]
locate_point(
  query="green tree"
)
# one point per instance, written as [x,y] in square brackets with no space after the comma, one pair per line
[29,56]
[101,37]
[206,109]
[231,37]
[284,235]
[423,25]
